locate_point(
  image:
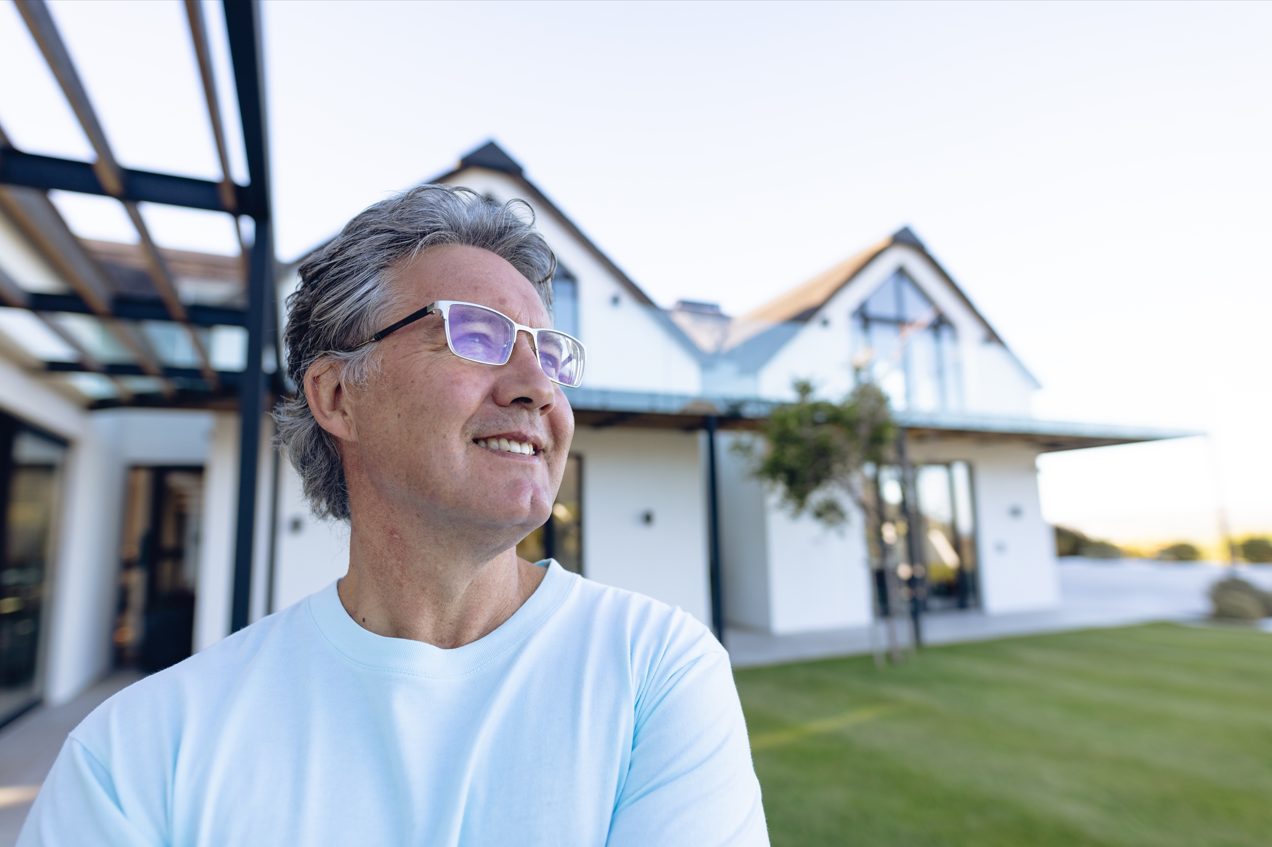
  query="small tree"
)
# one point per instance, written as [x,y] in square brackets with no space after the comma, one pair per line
[1256,550]
[816,453]
[1069,541]
[1179,552]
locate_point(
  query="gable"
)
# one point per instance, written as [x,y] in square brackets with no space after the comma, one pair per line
[900,284]
[614,316]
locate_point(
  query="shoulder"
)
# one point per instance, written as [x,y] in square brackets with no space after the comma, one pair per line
[153,713]
[657,641]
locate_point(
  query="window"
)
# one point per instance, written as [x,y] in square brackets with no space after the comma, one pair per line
[30,477]
[947,528]
[908,347]
[565,302]
[561,538]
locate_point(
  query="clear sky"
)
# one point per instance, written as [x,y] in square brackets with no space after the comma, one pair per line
[1095,176]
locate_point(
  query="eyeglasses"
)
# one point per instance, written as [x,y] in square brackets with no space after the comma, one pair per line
[480,334]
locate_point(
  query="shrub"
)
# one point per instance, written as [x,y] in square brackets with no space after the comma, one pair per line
[1235,598]
[1069,541]
[1181,552]
[1256,550]
[1100,550]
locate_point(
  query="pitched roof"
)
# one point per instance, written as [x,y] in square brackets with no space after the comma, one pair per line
[492,157]
[803,301]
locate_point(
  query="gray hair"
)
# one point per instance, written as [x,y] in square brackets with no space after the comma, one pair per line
[345,296]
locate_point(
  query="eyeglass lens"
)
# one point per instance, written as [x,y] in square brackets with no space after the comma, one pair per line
[484,335]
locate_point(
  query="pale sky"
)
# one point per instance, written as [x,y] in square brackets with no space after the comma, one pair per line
[1096,177]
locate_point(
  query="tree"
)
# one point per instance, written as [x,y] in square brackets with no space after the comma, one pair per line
[1256,550]
[1072,542]
[816,455]
[1179,552]
[1069,541]
[816,452]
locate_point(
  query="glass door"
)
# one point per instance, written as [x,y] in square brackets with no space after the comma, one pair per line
[30,479]
[160,568]
[561,538]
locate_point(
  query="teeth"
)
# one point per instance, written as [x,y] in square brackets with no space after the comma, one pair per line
[506,446]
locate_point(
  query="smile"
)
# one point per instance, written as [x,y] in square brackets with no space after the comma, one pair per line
[506,446]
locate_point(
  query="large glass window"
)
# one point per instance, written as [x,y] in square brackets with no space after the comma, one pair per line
[30,478]
[946,527]
[908,347]
[565,302]
[561,538]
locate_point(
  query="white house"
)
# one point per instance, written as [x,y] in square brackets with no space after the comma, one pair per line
[119,448]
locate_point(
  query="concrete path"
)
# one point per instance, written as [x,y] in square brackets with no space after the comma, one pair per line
[1094,593]
[29,745]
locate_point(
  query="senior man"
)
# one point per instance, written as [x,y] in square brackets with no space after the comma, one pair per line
[444,692]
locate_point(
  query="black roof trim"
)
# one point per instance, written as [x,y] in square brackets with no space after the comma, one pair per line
[491,157]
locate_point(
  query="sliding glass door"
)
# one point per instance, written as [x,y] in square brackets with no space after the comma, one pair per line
[31,466]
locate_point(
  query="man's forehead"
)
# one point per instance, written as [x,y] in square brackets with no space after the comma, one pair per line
[469,274]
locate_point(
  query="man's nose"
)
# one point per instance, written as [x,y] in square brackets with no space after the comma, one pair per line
[524,380]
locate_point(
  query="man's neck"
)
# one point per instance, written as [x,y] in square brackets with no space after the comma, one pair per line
[410,585]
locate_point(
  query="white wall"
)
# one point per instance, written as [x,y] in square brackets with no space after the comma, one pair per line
[627,472]
[214,595]
[84,582]
[995,383]
[819,577]
[783,574]
[744,567]
[311,553]
[609,329]
[1015,545]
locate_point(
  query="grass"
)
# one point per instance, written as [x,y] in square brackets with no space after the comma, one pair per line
[1155,735]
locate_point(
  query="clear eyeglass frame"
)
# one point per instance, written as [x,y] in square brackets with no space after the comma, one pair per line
[565,367]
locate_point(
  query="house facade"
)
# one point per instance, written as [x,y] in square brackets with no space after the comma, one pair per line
[121,483]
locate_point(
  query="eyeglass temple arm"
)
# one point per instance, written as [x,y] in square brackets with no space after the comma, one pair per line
[392,328]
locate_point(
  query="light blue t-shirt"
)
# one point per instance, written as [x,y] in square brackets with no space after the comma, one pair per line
[592,716]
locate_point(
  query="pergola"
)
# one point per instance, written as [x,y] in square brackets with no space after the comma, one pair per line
[26,179]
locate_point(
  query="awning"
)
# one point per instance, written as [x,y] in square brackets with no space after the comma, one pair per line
[647,410]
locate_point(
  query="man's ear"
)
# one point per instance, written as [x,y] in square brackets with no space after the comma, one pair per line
[330,400]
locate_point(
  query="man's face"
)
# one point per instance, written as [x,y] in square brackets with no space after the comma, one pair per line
[419,421]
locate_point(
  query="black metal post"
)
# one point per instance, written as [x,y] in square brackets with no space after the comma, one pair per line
[243,28]
[713,534]
[910,511]
[251,411]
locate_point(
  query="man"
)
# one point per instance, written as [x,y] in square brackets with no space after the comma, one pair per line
[444,692]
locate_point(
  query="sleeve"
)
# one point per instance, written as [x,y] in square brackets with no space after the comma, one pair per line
[78,804]
[691,781]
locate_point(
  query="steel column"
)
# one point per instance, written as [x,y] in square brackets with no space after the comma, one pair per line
[713,534]
[910,511]
[243,26]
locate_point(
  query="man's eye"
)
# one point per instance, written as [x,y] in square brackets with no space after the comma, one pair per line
[477,344]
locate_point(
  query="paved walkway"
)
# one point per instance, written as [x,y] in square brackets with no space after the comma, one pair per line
[1094,593]
[29,745]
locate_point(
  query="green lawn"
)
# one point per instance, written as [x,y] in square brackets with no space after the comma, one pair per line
[1153,735]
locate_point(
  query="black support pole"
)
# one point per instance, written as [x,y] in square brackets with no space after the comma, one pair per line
[713,533]
[243,28]
[251,410]
[910,511]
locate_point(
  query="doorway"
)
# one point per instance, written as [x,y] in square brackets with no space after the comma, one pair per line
[159,572]
[946,572]
[561,538]
[31,466]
